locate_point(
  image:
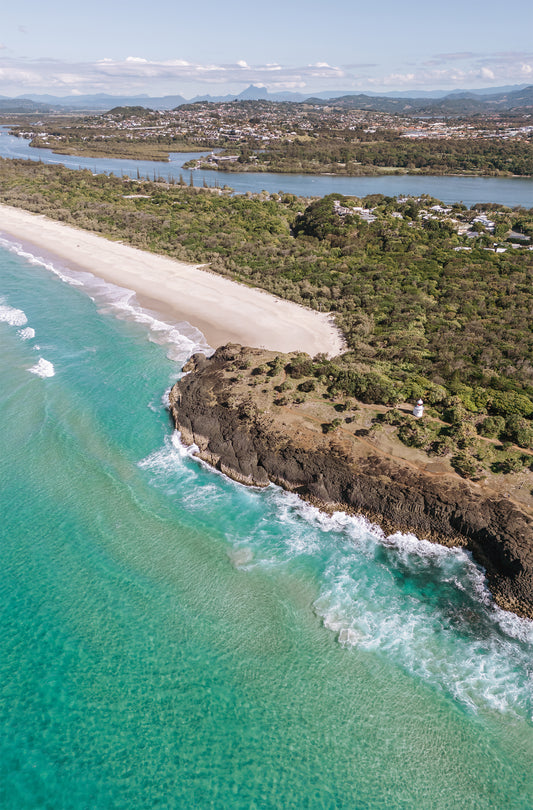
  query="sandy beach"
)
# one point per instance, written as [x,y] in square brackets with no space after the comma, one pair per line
[223,310]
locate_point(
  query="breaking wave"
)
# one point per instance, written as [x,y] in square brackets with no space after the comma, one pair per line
[43,368]
[425,607]
[181,339]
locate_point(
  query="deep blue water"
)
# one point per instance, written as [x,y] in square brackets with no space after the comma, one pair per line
[171,639]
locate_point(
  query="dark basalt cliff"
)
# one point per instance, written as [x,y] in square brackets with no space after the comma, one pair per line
[254,446]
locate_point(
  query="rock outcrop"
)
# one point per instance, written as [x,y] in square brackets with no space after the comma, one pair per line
[254,444]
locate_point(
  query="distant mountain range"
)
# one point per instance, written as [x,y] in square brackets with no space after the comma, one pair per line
[456,102]
[466,102]
[24,105]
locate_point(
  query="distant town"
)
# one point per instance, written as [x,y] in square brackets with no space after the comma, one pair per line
[308,137]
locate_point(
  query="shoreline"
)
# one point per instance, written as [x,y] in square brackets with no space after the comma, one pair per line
[222,309]
[239,429]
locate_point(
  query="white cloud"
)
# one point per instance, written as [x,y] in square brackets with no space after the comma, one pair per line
[458,56]
[136,74]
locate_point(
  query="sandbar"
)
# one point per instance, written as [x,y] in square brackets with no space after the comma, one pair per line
[222,309]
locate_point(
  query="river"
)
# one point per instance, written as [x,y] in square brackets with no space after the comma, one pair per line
[511,191]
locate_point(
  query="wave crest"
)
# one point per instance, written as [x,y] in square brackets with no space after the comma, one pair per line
[43,368]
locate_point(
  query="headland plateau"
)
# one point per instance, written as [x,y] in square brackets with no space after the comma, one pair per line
[234,407]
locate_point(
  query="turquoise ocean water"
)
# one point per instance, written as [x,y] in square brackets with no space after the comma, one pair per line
[170,639]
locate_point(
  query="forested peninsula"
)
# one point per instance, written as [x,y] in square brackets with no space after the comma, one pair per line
[380,153]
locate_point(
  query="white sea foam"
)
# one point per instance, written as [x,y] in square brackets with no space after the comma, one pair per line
[11,315]
[241,558]
[182,339]
[424,607]
[183,450]
[168,460]
[468,658]
[170,472]
[192,450]
[165,399]
[43,368]
[515,627]
[23,252]
[16,317]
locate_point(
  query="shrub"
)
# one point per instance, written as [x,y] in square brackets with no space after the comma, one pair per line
[492,427]
[463,433]
[306,386]
[369,387]
[518,430]
[415,434]
[455,414]
[506,403]
[284,386]
[514,463]
[392,417]
[467,466]
[329,427]
[275,367]
[300,366]
[442,446]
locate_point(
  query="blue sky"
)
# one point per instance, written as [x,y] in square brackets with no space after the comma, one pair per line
[163,47]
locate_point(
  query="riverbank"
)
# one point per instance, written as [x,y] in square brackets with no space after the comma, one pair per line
[223,310]
[334,170]
[510,191]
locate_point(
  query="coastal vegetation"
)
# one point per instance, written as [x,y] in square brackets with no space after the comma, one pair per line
[387,152]
[433,302]
[117,147]
[350,398]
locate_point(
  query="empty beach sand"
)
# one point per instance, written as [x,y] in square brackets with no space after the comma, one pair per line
[223,310]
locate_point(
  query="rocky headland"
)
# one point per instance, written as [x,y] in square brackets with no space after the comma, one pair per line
[234,407]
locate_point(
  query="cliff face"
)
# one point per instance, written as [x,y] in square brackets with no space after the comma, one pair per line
[238,433]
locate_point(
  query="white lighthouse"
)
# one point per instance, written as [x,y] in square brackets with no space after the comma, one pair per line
[418,410]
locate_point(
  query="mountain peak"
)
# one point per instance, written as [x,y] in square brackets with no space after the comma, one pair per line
[253,93]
